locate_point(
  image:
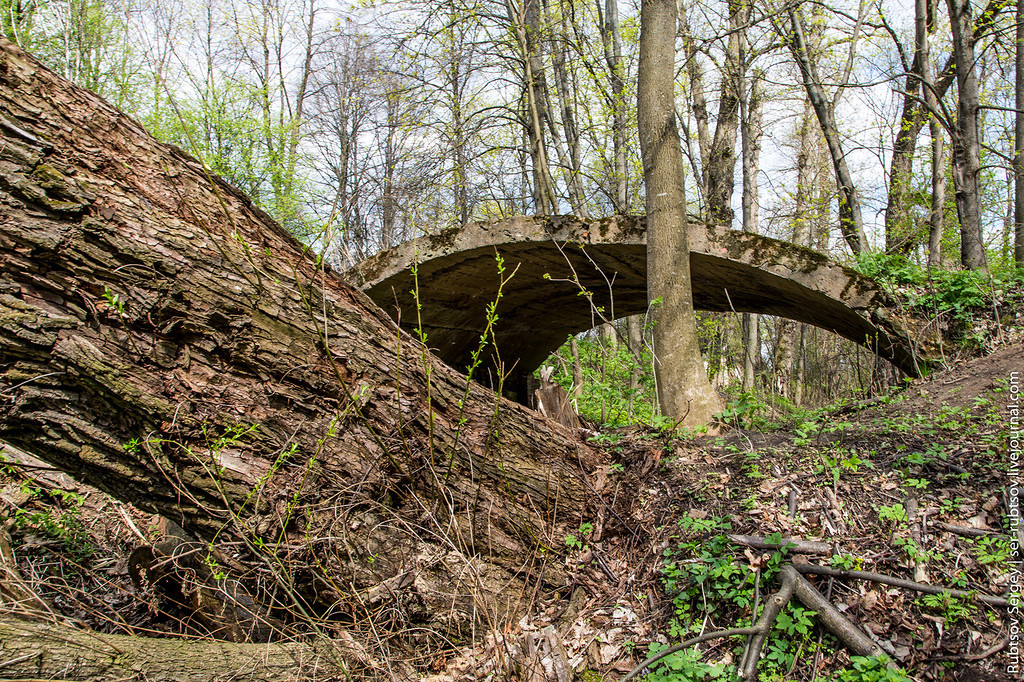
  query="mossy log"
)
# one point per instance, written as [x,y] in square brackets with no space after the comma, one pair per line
[163,339]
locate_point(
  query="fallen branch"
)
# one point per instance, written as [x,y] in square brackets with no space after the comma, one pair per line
[828,615]
[964,531]
[793,584]
[897,582]
[717,634]
[772,608]
[791,544]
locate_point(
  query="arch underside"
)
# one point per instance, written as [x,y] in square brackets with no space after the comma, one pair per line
[564,285]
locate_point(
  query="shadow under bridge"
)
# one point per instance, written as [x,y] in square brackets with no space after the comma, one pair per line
[566,268]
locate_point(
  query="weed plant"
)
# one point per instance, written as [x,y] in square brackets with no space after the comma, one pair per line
[962,295]
[712,585]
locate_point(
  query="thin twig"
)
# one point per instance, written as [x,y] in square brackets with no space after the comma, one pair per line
[717,634]
[897,582]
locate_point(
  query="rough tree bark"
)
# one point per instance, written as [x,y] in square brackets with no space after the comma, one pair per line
[162,339]
[966,140]
[37,650]
[684,392]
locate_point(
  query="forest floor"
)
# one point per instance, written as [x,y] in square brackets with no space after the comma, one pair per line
[911,485]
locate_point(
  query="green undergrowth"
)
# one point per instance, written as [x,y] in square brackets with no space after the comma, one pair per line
[53,515]
[608,394]
[875,465]
[970,299]
[712,584]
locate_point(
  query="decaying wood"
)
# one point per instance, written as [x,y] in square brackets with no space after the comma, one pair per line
[791,544]
[553,402]
[44,651]
[162,339]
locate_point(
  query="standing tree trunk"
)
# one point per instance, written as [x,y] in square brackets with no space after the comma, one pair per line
[900,234]
[612,43]
[720,168]
[751,154]
[162,339]
[966,140]
[571,163]
[718,152]
[936,218]
[698,102]
[635,339]
[525,16]
[1018,158]
[751,108]
[456,87]
[914,118]
[684,392]
[850,222]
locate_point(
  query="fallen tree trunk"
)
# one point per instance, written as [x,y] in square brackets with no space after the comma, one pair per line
[41,651]
[162,339]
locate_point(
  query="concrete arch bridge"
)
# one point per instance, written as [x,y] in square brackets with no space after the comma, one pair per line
[564,266]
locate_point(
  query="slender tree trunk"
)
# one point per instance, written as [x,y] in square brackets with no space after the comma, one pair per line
[613,57]
[698,102]
[577,368]
[164,340]
[967,141]
[1018,159]
[937,215]
[296,116]
[790,333]
[802,223]
[573,169]
[900,234]
[459,162]
[683,388]
[850,222]
[720,169]
[525,16]
[387,192]
[801,363]
[635,339]
[915,118]
[750,102]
